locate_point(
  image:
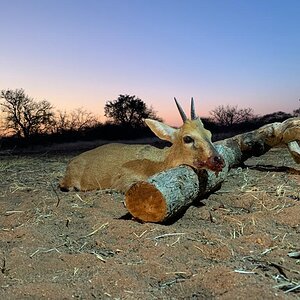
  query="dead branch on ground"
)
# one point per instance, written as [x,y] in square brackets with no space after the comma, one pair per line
[164,194]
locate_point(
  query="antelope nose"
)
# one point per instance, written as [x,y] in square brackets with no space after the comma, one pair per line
[217,161]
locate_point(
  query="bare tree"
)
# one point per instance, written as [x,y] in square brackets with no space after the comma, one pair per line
[230,115]
[24,116]
[62,122]
[78,119]
[81,119]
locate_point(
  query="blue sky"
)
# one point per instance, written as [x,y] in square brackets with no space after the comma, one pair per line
[83,53]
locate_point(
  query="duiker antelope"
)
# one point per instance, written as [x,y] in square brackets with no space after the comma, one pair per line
[118,166]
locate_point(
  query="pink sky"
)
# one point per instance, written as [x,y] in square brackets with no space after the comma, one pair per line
[84,53]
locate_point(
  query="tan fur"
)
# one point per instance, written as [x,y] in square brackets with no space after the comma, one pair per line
[118,166]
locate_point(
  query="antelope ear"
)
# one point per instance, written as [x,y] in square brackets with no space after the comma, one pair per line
[162,130]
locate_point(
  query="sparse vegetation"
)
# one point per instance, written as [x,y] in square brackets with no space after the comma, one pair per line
[77,120]
[231,115]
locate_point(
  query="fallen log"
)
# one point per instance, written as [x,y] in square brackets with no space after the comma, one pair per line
[163,195]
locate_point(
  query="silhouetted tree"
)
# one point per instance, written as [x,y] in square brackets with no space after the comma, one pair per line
[77,120]
[24,116]
[230,115]
[128,110]
[296,112]
[62,121]
[278,116]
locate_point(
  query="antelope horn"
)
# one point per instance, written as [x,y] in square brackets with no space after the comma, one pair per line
[193,113]
[182,113]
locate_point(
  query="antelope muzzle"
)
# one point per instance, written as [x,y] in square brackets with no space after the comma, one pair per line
[214,163]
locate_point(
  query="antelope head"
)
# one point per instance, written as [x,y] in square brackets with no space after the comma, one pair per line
[191,143]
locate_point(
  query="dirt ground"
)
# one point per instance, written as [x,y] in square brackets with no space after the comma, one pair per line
[238,244]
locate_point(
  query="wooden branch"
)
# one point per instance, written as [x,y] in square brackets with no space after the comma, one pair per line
[163,195]
[157,198]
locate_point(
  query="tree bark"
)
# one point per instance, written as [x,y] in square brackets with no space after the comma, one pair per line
[163,195]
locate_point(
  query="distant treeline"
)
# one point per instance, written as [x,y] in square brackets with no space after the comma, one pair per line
[100,131]
[27,122]
[111,132]
[217,128]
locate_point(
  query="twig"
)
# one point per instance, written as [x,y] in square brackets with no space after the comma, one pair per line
[178,239]
[279,268]
[244,272]
[34,253]
[139,236]
[56,194]
[44,251]
[268,250]
[80,198]
[293,289]
[11,212]
[167,235]
[96,230]
[99,256]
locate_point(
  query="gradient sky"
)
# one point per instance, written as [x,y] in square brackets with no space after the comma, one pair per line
[83,53]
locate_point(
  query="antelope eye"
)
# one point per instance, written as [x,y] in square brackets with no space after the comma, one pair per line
[187,139]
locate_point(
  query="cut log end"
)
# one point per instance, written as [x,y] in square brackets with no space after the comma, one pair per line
[145,202]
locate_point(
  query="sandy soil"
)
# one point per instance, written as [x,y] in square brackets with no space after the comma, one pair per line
[75,245]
